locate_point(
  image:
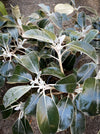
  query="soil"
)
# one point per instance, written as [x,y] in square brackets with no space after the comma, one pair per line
[27,7]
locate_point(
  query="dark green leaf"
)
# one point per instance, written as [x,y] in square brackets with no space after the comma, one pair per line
[7,69]
[2,81]
[30,62]
[8,24]
[14,93]
[41,13]
[42,23]
[18,127]
[27,127]
[22,126]
[66,110]
[86,71]
[20,75]
[47,115]
[30,104]
[53,71]
[85,48]
[28,27]
[55,98]
[89,100]
[78,123]
[67,84]
[5,112]
[69,61]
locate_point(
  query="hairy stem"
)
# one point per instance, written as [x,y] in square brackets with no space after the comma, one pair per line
[60,62]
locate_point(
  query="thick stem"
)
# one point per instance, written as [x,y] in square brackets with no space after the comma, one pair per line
[60,62]
[98,69]
[59,58]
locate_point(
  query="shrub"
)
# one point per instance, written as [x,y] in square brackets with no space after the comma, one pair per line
[39,53]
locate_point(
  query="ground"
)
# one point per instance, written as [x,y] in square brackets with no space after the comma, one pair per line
[27,7]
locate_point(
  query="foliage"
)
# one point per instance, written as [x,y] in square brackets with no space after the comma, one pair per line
[37,48]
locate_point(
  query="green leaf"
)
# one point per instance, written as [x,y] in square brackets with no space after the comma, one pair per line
[56,19]
[5,112]
[42,23]
[47,115]
[4,18]
[30,104]
[30,62]
[7,69]
[45,8]
[75,35]
[50,27]
[10,18]
[13,32]
[55,99]
[3,9]
[76,102]
[14,93]
[89,100]
[65,109]
[90,9]
[78,123]
[51,34]
[22,126]
[81,19]
[53,71]
[90,36]
[18,127]
[85,48]
[4,39]
[86,71]
[20,75]
[2,22]
[68,61]
[67,84]
[27,127]
[2,81]
[29,26]
[39,35]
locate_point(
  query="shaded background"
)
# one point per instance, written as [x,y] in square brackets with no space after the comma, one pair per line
[27,7]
